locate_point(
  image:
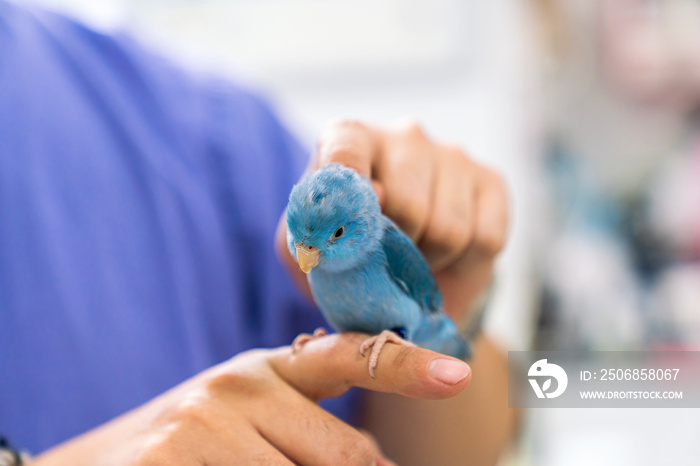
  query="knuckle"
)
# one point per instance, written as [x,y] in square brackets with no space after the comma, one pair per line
[495,179]
[339,141]
[490,179]
[402,361]
[235,375]
[230,381]
[411,210]
[192,415]
[413,129]
[249,385]
[449,237]
[457,153]
[334,145]
[491,242]
[344,123]
[341,152]
[159,452]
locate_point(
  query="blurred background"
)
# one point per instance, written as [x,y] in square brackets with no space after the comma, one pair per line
[588,107]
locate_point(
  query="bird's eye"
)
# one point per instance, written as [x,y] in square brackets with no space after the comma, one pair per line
[338,233]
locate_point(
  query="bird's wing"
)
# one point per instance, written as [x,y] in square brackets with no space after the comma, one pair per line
[409,270]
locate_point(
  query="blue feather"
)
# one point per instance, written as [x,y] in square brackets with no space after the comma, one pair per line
[372,277]
[409,269]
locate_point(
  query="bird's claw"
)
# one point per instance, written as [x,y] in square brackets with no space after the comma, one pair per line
[377,342]
[304,338]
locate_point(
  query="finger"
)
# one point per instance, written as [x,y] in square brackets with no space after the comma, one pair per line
[492,214]
[452,215]
[329,366]
[192,436]
[470,274]
[368,435]
[382,461]
[407,174]
[308,434]
[245,447]
[491,223]
[349,143]
[400,162]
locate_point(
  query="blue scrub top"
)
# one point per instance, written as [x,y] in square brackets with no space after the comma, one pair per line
[138,205]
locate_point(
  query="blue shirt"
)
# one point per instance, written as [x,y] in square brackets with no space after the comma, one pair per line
[138,205]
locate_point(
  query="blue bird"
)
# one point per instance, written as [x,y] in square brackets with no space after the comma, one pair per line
[365,274]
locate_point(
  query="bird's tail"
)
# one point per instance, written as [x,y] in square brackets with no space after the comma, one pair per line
[439,333]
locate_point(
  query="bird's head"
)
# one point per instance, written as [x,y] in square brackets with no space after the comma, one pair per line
[333,219]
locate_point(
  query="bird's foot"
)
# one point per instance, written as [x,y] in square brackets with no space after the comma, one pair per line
[377,343]
[304,338]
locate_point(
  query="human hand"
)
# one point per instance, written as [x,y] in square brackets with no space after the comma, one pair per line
[260,408]
[454,209]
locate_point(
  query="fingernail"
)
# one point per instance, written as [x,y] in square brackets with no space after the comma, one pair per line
[448,371]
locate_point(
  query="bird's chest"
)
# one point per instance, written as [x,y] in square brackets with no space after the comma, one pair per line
[363,299]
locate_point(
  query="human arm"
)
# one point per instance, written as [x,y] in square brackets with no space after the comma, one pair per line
[456,211]
[259,408]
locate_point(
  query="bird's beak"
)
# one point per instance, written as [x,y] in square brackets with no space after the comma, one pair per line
[307,256]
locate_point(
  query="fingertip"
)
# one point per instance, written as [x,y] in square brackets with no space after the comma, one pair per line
[421,373]
[349,143]
[449,371]
[352,157]
[328,366]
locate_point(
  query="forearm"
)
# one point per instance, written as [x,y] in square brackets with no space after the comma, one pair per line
[472,428]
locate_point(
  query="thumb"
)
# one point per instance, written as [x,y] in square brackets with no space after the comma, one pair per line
[328,366]
[349,143]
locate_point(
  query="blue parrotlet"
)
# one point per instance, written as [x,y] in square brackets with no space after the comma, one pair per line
[365,274]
